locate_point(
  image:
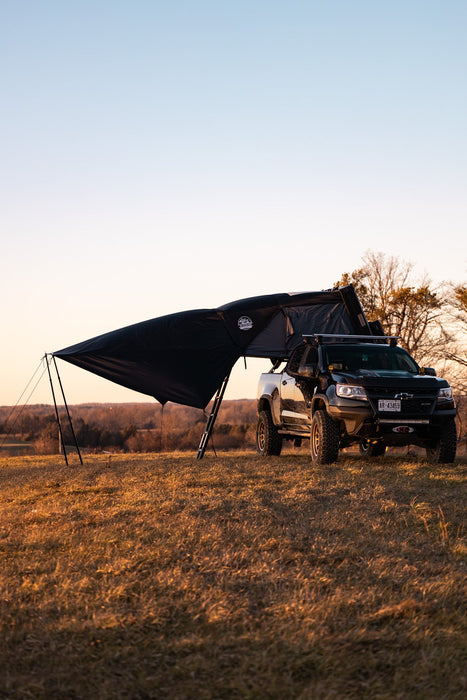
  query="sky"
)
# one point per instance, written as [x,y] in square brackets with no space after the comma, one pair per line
[163,156]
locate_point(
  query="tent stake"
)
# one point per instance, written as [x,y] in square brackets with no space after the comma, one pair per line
[68,412]
[57,417]
[212,418]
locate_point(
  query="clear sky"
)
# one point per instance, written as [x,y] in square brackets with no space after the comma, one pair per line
[161,156]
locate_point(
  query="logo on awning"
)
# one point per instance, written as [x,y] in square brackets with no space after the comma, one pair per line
[245,323]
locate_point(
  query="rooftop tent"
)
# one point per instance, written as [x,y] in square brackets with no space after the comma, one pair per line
[185,357]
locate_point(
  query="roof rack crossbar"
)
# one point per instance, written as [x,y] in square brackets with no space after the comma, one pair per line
[349,336]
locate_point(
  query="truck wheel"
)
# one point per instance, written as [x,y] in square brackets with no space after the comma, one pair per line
[444,450]
[324,439]
[268,440]
[372,449]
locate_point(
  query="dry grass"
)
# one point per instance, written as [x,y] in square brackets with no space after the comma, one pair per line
[138,576]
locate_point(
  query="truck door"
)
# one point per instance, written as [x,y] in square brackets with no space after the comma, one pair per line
[306,382]
[291,396]
[287,399]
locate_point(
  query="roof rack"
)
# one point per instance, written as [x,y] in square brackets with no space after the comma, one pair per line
[392,339]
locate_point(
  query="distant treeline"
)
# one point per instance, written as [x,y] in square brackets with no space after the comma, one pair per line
[137,427]
[132,427]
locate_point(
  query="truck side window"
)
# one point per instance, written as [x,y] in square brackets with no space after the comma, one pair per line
[309,361]
[294,362]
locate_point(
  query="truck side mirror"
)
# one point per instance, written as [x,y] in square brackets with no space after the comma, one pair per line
[429,371]
[307,371]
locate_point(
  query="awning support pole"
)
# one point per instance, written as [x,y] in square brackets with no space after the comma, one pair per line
[68,412]
[57,417]
[212,418]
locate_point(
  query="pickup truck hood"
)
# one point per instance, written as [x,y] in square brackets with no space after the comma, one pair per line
[374,378]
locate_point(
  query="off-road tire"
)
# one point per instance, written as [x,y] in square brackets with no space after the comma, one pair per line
[268,440]
[372,449]
[324,439]
[444,450]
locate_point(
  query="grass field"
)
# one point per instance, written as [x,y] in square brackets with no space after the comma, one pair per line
[142,576]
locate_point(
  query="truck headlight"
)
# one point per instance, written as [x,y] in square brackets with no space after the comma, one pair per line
[445,394]
[347,391]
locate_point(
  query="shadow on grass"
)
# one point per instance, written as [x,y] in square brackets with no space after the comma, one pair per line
[188,658]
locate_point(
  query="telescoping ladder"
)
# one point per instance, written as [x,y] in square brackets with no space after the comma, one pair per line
[212,418]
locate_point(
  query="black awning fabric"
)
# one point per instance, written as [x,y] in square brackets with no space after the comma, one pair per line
[184,357]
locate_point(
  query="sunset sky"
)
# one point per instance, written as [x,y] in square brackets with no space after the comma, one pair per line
[162,156]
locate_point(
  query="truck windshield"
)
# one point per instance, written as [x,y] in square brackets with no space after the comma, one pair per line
[372,357]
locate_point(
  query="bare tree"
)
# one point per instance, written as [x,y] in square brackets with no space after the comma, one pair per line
[458,304]
[411,309]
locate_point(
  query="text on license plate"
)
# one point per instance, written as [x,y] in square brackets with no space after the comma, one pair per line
[389,405]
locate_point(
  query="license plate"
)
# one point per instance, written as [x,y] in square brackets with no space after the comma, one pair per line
[393,405]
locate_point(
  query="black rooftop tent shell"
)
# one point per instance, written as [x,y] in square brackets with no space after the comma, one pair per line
[185,357]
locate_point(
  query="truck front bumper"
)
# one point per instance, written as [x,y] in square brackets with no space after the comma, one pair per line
[362,422]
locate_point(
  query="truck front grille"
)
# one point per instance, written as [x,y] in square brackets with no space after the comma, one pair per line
[419,404]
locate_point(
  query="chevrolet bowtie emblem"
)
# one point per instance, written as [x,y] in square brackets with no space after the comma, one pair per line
[404,395]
